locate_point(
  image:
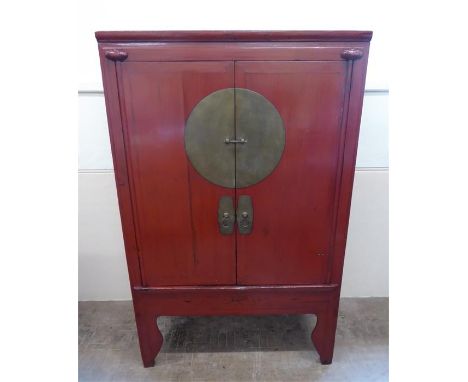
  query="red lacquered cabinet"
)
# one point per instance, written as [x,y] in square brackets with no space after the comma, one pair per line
[234,156]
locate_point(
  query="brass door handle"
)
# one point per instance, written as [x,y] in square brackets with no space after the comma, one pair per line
[244,220]
[244,214]
[229,140]
[226,215]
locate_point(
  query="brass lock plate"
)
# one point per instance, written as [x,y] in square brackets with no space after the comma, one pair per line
[244,215]
[234,137]
[226,215]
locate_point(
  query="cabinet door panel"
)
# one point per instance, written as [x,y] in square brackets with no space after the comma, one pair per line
[175,209]
[290,242]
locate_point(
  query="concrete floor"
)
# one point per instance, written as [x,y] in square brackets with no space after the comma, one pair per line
[269,348]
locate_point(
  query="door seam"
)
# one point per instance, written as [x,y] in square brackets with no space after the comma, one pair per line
[235,176]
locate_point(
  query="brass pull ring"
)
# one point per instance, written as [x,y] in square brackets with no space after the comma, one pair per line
[226,221]
[244,222]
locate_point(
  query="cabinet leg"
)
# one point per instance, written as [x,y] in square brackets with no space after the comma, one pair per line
[323,335]
[150,337]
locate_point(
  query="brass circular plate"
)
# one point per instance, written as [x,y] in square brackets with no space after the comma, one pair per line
[209,123]
[234,114]
[257,121]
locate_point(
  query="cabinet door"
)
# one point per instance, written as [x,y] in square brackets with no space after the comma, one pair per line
[175,209]
[293,207]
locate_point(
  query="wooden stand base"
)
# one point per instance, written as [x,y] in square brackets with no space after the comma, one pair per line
[150,303]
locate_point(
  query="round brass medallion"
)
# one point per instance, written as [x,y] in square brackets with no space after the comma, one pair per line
[234,137]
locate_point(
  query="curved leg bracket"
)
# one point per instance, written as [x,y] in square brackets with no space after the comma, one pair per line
[150,337]
[323,335]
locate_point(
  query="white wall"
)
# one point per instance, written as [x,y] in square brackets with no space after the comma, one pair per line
[102,267]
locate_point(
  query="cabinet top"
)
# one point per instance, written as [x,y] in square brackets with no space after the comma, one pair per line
[232,36]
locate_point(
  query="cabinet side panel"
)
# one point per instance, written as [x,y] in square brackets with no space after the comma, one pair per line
[353,121]
[109,78]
